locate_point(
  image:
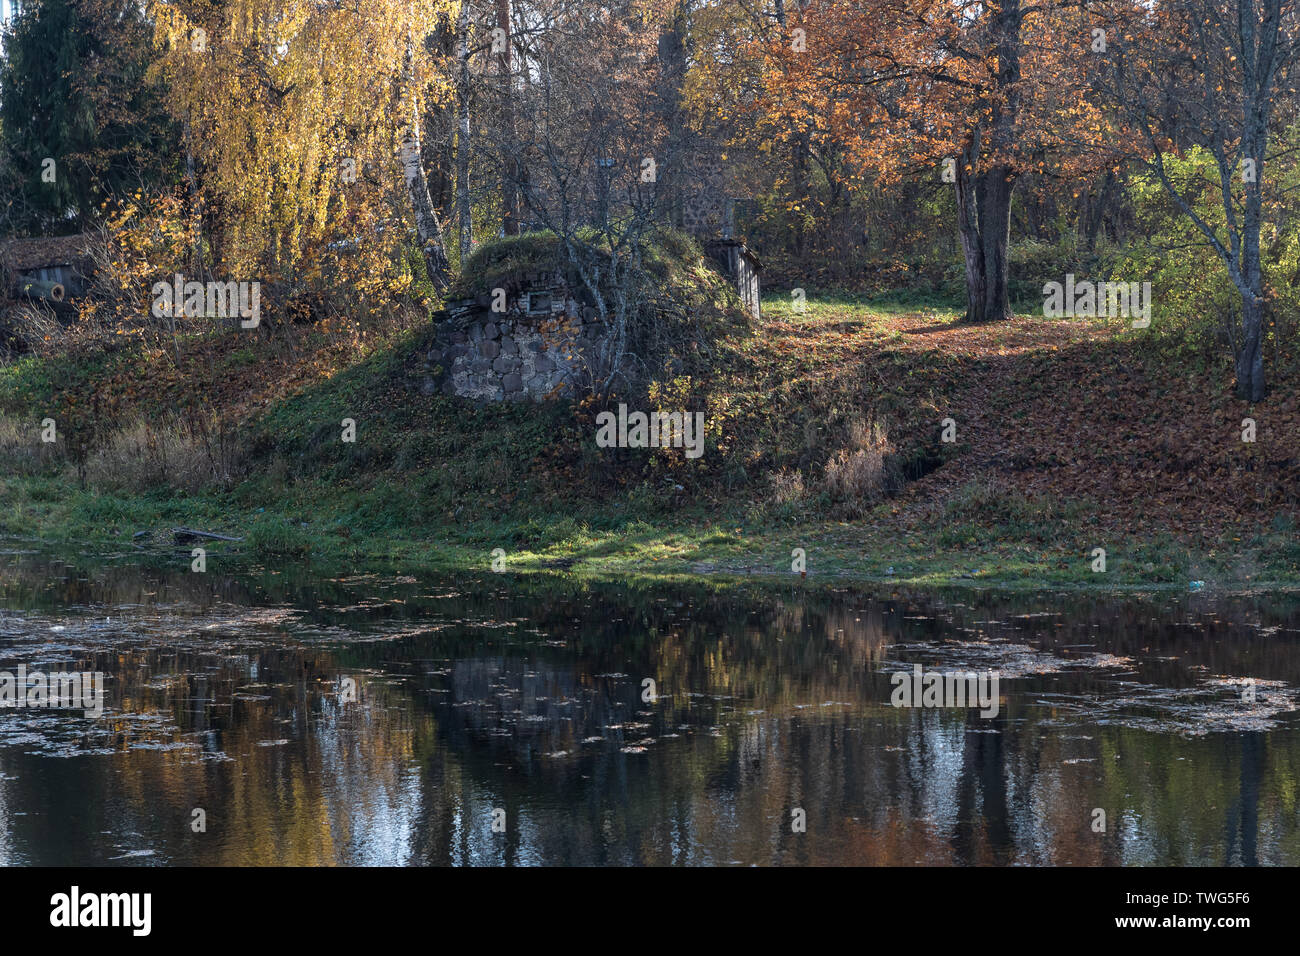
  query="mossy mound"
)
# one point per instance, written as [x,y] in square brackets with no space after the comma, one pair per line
[668,271]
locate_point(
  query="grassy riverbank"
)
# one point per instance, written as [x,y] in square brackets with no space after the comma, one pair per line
[824,435]
[52,515]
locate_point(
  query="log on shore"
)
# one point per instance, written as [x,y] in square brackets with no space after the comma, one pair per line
[37,289]
[186,535]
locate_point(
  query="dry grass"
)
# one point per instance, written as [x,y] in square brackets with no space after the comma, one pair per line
[189,452]
[22,452]
[861,474]
[787,487]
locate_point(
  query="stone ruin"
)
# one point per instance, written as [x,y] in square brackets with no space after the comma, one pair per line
[540,347]
[544,343]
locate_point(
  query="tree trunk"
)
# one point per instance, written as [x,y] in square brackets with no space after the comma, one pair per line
[1250,355]
[196,204]
[510,166]
[464,213]
[971,247]
[1250,363]
[427,227]
[802,189]
[984,226]
[442,179]
[1249,272]
[1097,212]
[984,197]
[993,193]
[668,105]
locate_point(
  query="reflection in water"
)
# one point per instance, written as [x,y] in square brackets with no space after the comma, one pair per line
[230,696]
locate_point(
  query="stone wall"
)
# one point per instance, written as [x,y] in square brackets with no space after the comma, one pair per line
[706,204]
[516,355]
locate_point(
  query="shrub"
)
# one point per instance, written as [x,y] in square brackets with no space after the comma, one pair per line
[1034,263]
[862,473]
[787,486]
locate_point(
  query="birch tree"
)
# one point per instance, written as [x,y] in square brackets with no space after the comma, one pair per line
[1218,74]
[305,124]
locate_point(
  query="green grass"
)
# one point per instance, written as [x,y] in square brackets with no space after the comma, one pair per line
[364,533]
[835,305]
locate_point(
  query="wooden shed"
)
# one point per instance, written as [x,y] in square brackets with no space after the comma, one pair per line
[739,265]
[51,261]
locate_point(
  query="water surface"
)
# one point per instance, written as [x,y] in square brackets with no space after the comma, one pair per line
[481,695]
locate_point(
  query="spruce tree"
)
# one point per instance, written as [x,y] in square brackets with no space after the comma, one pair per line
[79,120]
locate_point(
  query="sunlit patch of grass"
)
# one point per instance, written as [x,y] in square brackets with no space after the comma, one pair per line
[873,314]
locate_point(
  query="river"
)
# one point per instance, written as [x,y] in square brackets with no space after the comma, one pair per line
[282,717]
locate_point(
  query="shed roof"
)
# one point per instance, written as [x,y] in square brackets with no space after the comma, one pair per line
[41,252]
[739,244]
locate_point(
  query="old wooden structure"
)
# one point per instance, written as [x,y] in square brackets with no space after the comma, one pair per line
[49,268]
